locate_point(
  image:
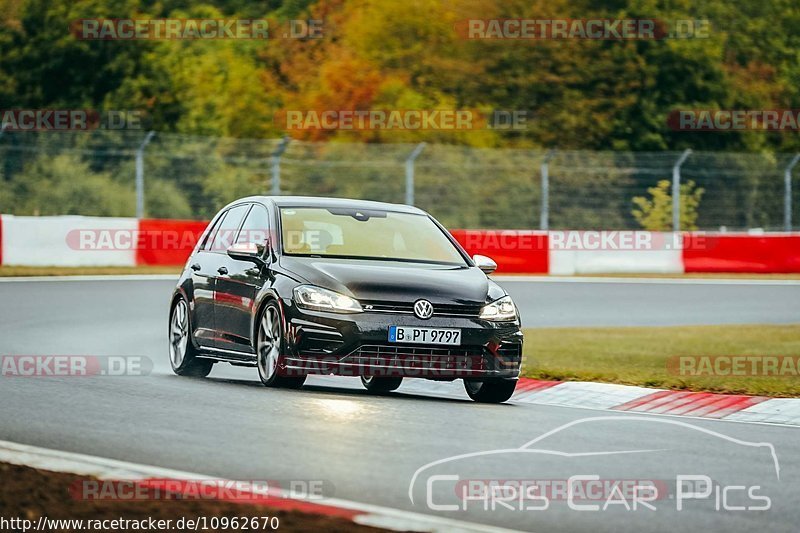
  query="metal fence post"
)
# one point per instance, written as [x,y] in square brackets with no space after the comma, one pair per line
[5,161]
[140,175]
[410,172]
[676,190]
[787,193]
[544,216]
[275,165]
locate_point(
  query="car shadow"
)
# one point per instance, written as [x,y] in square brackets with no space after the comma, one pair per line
[400,395]
[329,391]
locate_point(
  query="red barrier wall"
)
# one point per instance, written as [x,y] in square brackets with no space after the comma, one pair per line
[167,242]
[704,252]
[515,251]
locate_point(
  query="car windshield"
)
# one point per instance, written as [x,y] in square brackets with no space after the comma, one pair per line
[365,234]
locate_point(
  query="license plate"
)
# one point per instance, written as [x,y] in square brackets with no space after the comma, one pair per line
[450,337]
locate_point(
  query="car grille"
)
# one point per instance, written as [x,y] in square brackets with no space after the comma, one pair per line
[315,340]
[509,349]
[422,357]
[509,354]
[448,310]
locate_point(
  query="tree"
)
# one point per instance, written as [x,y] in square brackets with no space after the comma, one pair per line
[655,213]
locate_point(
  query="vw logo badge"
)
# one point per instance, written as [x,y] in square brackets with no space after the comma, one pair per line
[423,309]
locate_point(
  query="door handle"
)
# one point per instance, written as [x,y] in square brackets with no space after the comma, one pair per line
[222,270]
[195,267]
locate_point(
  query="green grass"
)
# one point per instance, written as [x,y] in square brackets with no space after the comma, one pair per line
[11,271]
[639,356]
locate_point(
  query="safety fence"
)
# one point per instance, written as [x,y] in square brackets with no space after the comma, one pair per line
[172,176]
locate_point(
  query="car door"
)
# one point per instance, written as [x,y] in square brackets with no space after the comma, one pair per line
[237,289]
[223,236]
[203,270]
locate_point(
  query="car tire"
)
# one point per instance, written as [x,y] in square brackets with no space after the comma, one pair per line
[381,385]
[269,349]
[183,356]
[490,390]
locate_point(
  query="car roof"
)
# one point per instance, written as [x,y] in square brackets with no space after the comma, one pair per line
[318,201]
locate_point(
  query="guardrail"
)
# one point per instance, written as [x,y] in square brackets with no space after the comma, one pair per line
[106,241]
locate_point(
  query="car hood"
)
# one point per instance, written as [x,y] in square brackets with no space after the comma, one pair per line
[396,281]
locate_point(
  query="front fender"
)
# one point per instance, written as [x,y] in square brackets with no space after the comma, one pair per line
[281,288]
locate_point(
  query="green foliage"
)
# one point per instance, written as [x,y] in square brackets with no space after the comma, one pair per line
[224,184]
[379,54]
[396,54]
[655,213]
[65,185]
[164,199]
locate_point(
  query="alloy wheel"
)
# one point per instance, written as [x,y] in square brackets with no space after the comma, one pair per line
[179,333]
[269,342]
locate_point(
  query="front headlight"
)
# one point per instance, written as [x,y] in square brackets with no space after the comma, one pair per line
[319,299]
[500,310]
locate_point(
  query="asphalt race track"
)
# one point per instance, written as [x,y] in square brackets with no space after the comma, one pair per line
[370,449]
[565,302]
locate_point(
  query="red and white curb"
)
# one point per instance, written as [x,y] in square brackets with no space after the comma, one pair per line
[658,401]
[609,396]
[151,476]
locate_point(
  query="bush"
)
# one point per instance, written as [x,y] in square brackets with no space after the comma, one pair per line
[65,185]
[655,213]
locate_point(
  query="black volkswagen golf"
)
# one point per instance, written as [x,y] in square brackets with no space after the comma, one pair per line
[296,286]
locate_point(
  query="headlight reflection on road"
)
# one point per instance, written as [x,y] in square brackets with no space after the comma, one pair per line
[344,409]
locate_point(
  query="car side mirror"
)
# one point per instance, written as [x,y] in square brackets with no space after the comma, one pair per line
[247,251]
[486,264]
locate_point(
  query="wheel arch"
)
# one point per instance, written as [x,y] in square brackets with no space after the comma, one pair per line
[269,295]
[180,292]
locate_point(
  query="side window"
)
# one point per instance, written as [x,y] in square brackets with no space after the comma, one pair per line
[211,231]
[226,232]
[256,226]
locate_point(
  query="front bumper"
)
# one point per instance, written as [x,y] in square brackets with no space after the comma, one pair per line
[357,344]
